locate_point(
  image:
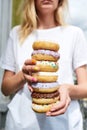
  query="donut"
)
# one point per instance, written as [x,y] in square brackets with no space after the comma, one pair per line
[45,87]
[43,108]
[45,76]
[47,66]
[44,95]
[45,55]
[42,78]
[46,45]
[45,98]
[45,90]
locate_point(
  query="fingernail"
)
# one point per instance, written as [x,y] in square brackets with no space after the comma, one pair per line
[34,79]
[48,113]
[33,61]
[36,68]
[52,109]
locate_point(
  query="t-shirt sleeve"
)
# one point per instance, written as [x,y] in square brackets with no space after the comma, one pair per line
[80,50]
[7,61]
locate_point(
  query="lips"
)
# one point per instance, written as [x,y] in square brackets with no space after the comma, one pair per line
[46,1]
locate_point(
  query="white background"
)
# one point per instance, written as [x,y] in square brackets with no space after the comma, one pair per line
[78,14]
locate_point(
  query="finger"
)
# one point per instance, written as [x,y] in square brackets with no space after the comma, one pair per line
[56,113]
[60,111]
[30,88]
[58,106]
[61,103]
[30,68]
[30,78]
[30,62]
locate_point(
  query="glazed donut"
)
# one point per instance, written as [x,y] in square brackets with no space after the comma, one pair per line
[45,55]
[47,66]
[46,90]
[41,57]
[42,78]
[43,108]
[44,100]
[45,87]
[45,76]
[45,45]
[44,95]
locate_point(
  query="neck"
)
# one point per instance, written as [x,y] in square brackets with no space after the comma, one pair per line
[46,21]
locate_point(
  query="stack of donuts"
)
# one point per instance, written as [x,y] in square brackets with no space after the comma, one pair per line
[45,92]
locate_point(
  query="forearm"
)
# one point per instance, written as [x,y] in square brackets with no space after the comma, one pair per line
[78,91]
[11,84]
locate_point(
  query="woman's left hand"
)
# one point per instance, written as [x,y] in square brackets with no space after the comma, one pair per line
[63,103]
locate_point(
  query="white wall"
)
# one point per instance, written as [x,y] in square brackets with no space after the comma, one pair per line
[77,14]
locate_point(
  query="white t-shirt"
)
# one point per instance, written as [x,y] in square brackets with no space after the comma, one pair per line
[73,54]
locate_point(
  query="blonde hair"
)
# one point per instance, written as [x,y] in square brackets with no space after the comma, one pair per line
[29,17]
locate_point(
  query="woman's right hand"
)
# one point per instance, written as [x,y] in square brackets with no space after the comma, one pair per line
[28,68]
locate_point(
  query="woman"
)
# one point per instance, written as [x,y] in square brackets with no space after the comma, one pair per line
[43,19]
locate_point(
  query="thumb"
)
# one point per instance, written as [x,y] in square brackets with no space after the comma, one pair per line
[30,88]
